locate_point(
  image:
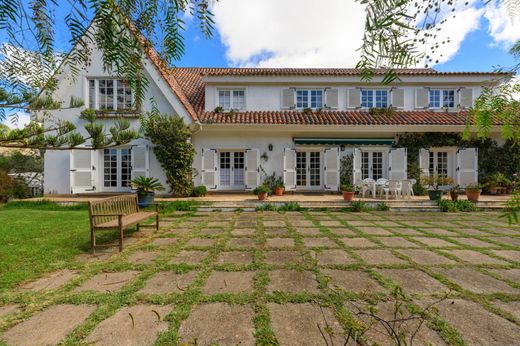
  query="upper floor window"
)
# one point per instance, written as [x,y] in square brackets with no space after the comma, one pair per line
[374,98]
[109,94]
[232,99]
[442,98]
[306,98]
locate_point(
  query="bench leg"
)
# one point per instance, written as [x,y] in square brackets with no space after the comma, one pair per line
[138,228]
[120,229]
[93,240]
[157,222]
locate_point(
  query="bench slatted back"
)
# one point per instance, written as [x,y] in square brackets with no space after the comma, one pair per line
[125,205]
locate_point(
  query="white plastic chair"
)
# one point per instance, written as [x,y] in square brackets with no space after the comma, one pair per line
[380,184]
[394,187]
[412,182]
[406,188]
[368,186]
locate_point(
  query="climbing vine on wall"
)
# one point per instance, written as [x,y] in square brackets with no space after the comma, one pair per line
[492,158]
[173,150]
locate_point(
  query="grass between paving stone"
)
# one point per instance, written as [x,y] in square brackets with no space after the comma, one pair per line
[182,303]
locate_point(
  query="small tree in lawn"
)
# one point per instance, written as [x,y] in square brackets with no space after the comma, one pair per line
[173,149]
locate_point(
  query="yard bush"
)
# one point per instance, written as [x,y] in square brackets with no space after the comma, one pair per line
[359,206]
[200,191]
[173,149]
[453,206]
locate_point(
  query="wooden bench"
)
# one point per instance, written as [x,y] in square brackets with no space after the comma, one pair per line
[119,213]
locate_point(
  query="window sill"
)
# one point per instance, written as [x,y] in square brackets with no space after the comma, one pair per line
[117,113]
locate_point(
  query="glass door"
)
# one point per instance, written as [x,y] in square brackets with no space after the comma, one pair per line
[117,169]
[231,165]
[308,170]
[372,164]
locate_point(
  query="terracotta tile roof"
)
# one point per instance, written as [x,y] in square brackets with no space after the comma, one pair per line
[336,72]
[190,81]
[421,117]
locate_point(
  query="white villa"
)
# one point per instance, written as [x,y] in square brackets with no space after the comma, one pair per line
[296,123]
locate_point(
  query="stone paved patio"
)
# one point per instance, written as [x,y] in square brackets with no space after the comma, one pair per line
[295,278]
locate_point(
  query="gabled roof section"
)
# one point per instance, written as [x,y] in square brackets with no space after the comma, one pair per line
[163,70]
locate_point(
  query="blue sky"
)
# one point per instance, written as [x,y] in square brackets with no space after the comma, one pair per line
[327,33]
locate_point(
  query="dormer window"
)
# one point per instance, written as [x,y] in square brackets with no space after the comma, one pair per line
[439,98]
[109,94]
[232,99]
[374,98]
[309,98]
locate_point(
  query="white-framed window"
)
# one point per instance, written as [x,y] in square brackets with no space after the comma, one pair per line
[438,163]
[232,99]
[309,98]
[439,98]
[371,164]
[374,98]
[109,94]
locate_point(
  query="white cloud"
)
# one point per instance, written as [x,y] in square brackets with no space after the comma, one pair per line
[17,120]
[457,26]
[503,27]
[291,33]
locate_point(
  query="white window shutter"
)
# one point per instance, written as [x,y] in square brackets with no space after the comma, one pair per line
[331,169]
[467,166]
[422,98]
[140,161]
[466,98]
[289,169]
[209,168]
[252,169]
[288,99]
[398,98]
[354,98]
[82,171]
[397,164]
[424,162]
[331,98]
[356,164]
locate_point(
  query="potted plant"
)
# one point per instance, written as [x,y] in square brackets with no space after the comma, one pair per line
[200,191]
[491,183]
[454,192]
[279,187]
[262,191]
[473,192]
[348,192]
[434,182]
[146,187]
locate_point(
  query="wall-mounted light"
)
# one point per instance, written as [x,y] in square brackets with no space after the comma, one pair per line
[270,147]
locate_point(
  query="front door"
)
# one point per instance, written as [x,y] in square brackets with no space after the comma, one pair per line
[231,164]
[117,169]
[308,170]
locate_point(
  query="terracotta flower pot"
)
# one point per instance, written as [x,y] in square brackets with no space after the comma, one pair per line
[278,191]
[262,196]
[473,194]
[348,195]
[454,195]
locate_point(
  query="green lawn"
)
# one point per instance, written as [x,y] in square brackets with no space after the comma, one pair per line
[39,238]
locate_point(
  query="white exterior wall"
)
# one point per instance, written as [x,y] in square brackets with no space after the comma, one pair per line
[57,163]
[263,93]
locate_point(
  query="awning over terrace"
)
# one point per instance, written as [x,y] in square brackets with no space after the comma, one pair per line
[343,141]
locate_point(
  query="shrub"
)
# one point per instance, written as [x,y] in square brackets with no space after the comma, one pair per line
[173,150]
[261,189]
[200,191]
[168,207]
[6,186]
[383,206]
[358,206]
[346,169]
[453,206]
[419,190]
[20,188]
[265,207]
[290,206]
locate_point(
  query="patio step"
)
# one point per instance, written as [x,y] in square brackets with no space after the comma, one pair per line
[417,206]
